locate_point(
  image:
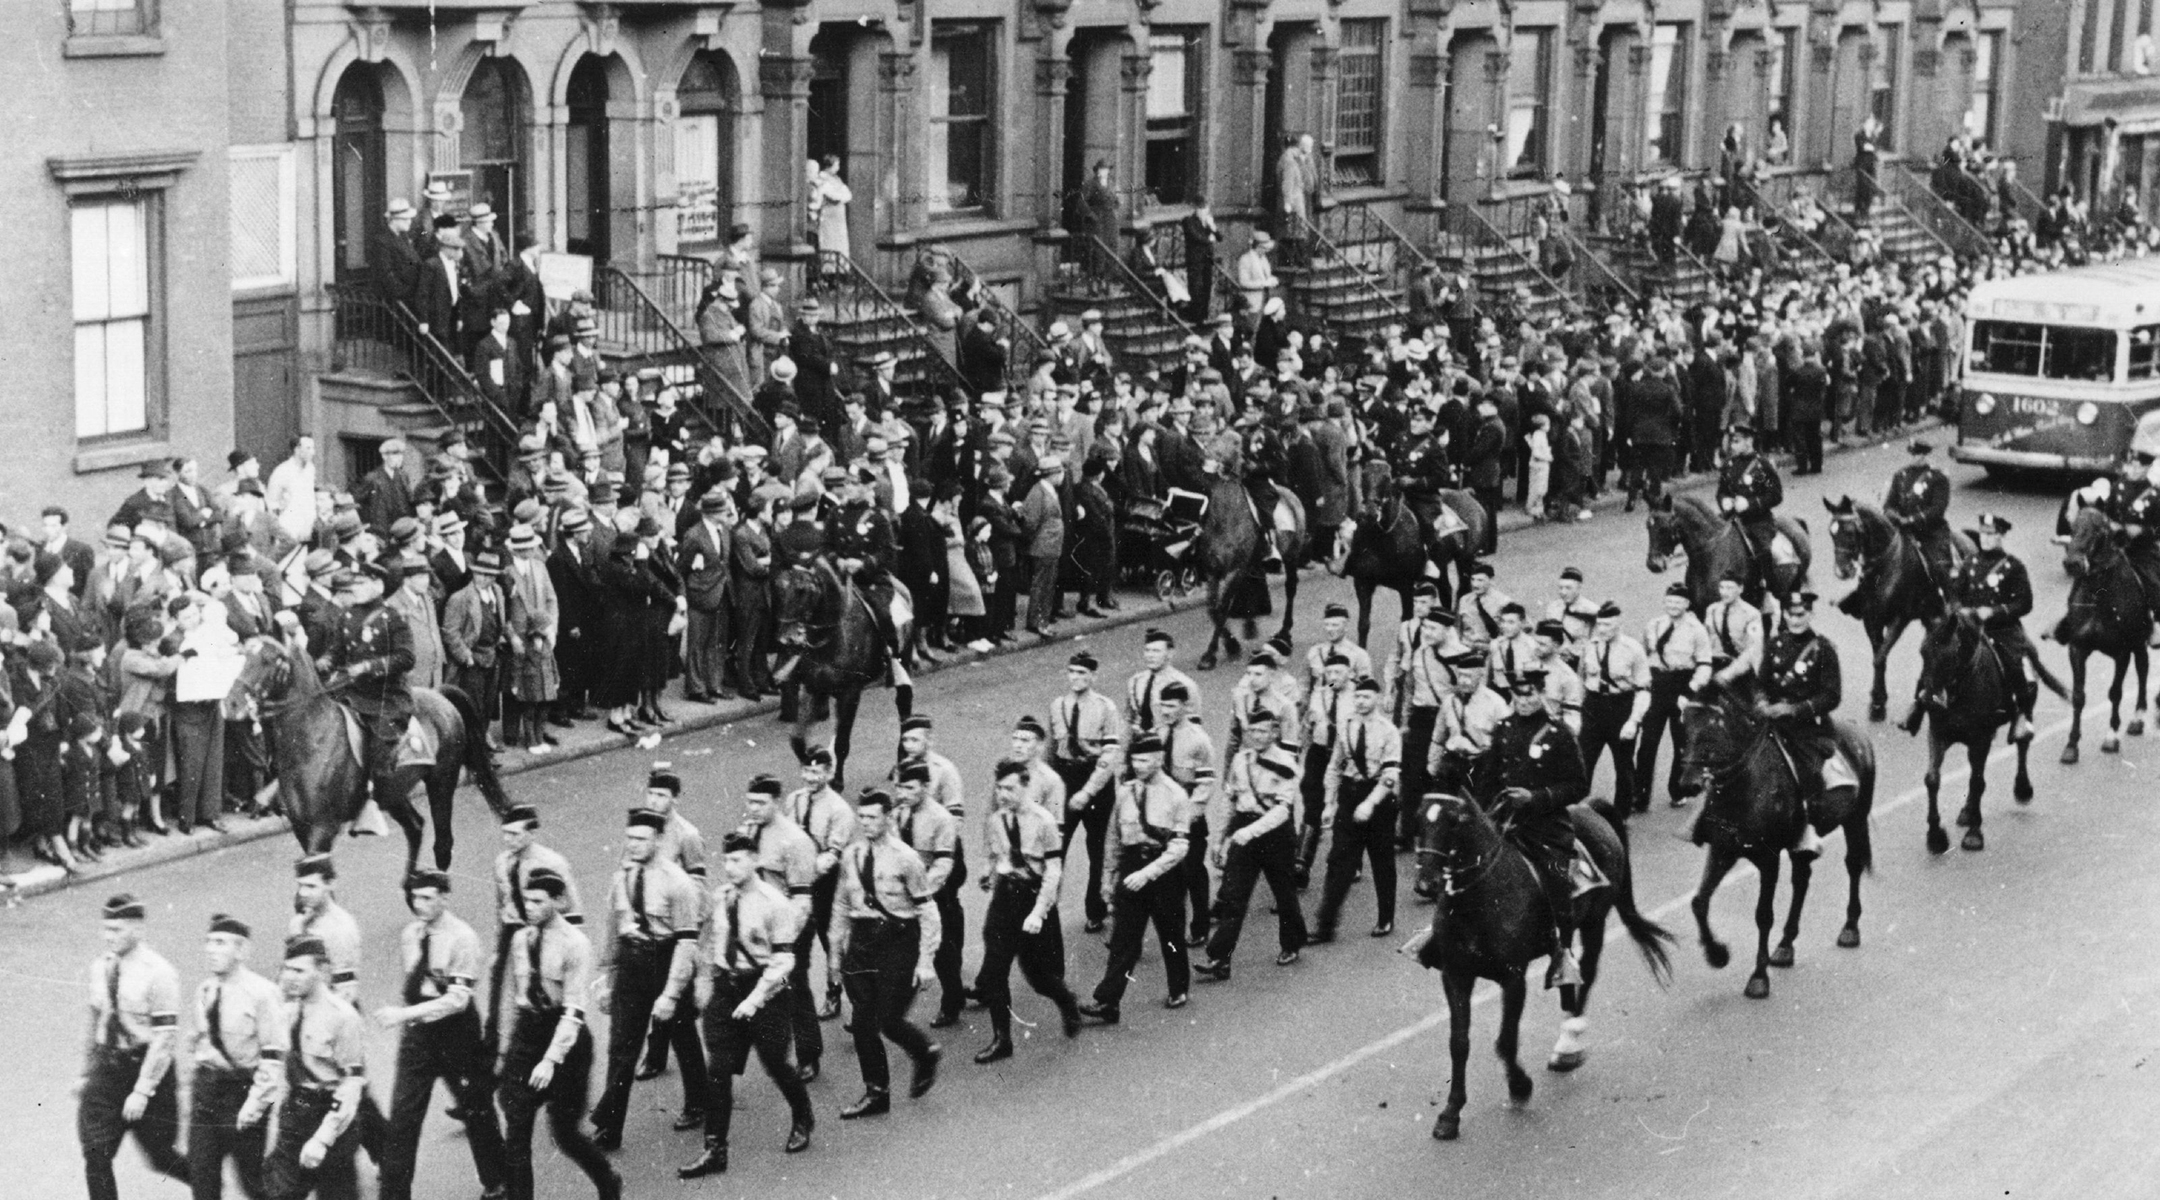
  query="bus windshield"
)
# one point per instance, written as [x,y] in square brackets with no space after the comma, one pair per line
[2044,351]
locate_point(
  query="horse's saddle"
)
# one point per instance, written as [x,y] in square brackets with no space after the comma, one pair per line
[1583,872]
[418,748]
[1283,519]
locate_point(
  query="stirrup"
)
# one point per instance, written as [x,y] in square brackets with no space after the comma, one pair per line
[369,822]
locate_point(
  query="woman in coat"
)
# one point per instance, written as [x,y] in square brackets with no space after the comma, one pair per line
[964,590]
[35,731]
[531,619]
[632,591]
[1091,539]
[829,200]
[721,331]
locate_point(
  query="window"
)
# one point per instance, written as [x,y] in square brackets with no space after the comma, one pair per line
[111,18]
[2119,33]
[1173,111]
[704,151]
[116,364]
[1883,84]
[263,203]
[2089,38]
[1530,73]
[492,146]
[1358,94]
[962,135]
[1784,47]
[2048,351]
[2145,352]
[1667,116]
[1980,115]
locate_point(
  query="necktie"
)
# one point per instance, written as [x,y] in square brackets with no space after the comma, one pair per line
[536,995]
[1169,743]
[517,890]
[868,875]
[637,901]
[1012,842]
[112,1005]
[214,1024]
[734,931]
[1357,747]
[1334,713]
[419,973]
[1511,662]
[802,809]
[1147,701]
[1072,730]
[296,1062]
[1604,666]
[1724,629]
[907,828]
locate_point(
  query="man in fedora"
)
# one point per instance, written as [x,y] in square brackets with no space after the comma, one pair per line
[485,254]
[395,255]
[703,561]
[810,348]
[475,637]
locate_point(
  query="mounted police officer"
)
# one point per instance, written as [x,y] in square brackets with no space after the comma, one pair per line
[1799,687]
[1993,587]
[1422,469]
[1533,772]
[368,663]
[2136,508]
[864,547]
[1749,491]
[1918,503]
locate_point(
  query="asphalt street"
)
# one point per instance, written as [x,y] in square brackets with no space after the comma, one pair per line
[1992,1036]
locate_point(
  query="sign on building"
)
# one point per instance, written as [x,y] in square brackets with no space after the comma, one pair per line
[697,179]
[562,274]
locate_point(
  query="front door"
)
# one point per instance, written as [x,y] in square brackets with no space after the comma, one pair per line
[585,166]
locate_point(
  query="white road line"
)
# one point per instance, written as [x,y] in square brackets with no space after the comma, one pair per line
[1231,1116]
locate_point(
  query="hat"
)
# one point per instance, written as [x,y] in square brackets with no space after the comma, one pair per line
[1335,608]
[1028,724]
[437,190]
[1261,239]
[522,538]
[712,501]
[1155,634]
[1441,617]
[912,772]
[546,879]
[764,784]
[1551,628]
[400,207]
[1093,316]
[783,367]
[404,529]
[445,524]
[228,924]
[818,756]
[1530,679]
[305,946]
[1083,660]
[317,865]
[809,306]
[1992,523]
[1803,600]
[1263,656]
[1366,683]
[480,212]
[487,562]
[427,877]
[645,818]
[124,907]
[574,520]
[1677,588]
[738,841]
[918,721]
[1481,567]
[1571,573]
[1337,660]
[663,777]
[1145,743]
[1426,588]
[1607,610]
[1920,448]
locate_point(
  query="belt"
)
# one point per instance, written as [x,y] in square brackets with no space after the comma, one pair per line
[1615,692]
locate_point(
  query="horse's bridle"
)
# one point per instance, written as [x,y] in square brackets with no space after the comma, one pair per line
[1456,880]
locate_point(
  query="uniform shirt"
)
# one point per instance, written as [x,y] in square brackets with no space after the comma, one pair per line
[1919,495]
[1325,709]
[1992,578]
[1365,748]
[1677,644]
[899,883]
[662,907]
[561,957]
[340,935]
[1418,676]
[1735,632]
[1143,697]
[1265,783]
[752,928]
[932,833]
[1563,693]
[787,856]
[453,963]
[512,870]
[251,1023]
[1477,618]
[148,994]
[1748,487]
[1614,665]
[1508,658]
[1472,720]
[825,817]
[1281,696]
[329,1041]
[1082,727]
[1189,758]
[1802,670]
[945,787]
[1155,812]
[1031,830]
[681,844]
[1317,655]
[1044,787]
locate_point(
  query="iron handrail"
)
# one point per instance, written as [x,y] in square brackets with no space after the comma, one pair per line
[833,264]
[1912,182]
[668,336]
[1023,343]
[1772,215]
[383,335]
[1784,186]
[1484,229]
[1131,281]
[1584,253]
[1327,245]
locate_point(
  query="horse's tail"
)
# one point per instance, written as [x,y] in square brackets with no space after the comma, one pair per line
[1650,937]
[478,760]
[2046,677]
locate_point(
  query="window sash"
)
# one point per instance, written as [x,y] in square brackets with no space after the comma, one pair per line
[112,314]
[107,18]
[962,143]
[1667,124]
[1529,91]
[1358,89]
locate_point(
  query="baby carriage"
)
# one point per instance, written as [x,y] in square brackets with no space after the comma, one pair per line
[1164,531]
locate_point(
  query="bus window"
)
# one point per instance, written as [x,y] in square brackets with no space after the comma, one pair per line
[2145,352]
[2006,348]
[2085,354]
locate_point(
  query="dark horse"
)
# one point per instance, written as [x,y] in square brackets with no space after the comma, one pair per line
[829,639]
[1386,544]
[1715,544]
[321,781]
[1753,812]
[1491,922]
[1977,701]
[1228,554]
[2109,615]
[1895,587]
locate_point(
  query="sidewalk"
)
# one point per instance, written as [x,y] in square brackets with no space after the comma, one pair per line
[587,740]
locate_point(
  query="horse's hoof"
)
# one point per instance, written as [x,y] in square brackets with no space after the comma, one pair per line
[1974,840]
[1965,818]
[1447,1128]
[1878,711]
[1782,955]
[2135,728]
[1563,1063]
[1717,954]
[1849,937]
[2069,755]
[2110,744]
[2022,791]
[1758,988]
[1206,663]
[1519,1086]
[1938,839]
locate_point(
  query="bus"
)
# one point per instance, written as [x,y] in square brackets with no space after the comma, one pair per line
[2060,368]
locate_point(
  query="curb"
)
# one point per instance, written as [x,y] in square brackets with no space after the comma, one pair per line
[44,879]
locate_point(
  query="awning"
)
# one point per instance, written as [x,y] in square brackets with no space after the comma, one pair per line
[2134,104]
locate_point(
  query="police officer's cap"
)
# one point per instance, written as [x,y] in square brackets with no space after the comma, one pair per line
[1677,588]
[1336,609]
[1367,684]
[1993,523]
[124,907]
[230,925]
[1800,602]
[1083,660]
[764,785]
[1147,743]
[1920,448]
[521,814]
[1550,628]
[645,818]
[914,772]
[427,877]
[662,777]
[1530,680]
[305,946]
[1608,609]
[735,841]
[315,864]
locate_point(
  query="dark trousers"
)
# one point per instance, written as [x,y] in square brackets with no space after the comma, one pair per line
[952,938]
[1041,955]
[98,1122]
[730,1040]
[1161,902]
[1489,499]
[1095,818]
[214,1134]
[878,972]
[199,742]
[1666,688]
[705,652]
[1312,796]
[483,684]
[564,1100]
[1416,780]
[1042,590]
[1603,715]
[1653,466]
[803,1012]
[1354,840]
[336,1177]
[641,970]
[1193,871]
[1807,445]
[752,627]
[450,1050]
[1272,855]
[247,763]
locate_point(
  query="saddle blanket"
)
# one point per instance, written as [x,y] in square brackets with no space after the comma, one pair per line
[418,748]
[1782,550]
[1583,873]
[1446,522]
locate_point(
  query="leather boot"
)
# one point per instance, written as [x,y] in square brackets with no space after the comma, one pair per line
[712,1162]
[874,1102]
